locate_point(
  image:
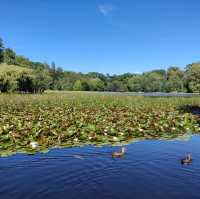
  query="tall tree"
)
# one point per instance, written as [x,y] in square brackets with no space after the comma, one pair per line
[42,80]
[53,74]
[77,85]
[116,86]
[9,56]
[22,61]
[96,84]
[135,83]
[1,50]
[192,75]
[153,81]
[174,82]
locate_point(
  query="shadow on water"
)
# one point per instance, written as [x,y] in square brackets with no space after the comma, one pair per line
[195,110]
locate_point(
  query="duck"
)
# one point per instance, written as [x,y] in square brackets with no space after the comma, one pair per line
[187,159]
[118,154]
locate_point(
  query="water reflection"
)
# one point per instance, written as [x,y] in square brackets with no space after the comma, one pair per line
[149,169]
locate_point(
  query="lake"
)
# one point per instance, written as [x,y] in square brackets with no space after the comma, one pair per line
[145,94]
[149,169]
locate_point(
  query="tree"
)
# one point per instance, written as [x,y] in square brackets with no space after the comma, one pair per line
[135,83]
[174,82]
[1,50]
[84,85]
[153,81]
[96,84]
[101,76]
[8,82]
[116,86]
[9,56]
[192,76]
[22,61]
[174,71]
[42,80]
[77,85]
[25,82]
[53,75]
[15,78]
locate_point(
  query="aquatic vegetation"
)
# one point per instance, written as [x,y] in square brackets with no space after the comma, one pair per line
[31,123]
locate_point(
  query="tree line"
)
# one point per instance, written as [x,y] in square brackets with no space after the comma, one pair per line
[19,74]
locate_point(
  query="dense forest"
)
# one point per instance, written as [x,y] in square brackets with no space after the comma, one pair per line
[19,74]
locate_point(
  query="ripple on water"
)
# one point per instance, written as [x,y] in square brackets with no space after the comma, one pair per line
[149,169]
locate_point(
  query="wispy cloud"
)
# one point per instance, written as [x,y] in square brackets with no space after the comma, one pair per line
[106,9]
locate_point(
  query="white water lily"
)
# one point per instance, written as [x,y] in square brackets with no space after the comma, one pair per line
[56,147]
[90,137]
[34,145]
[75,139]
[121,133]
[141,130]
[105,134]
[115,138]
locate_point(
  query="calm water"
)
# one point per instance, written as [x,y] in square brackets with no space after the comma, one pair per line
[148,94]
[150,169]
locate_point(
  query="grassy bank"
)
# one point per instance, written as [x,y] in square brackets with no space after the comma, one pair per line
[30,123]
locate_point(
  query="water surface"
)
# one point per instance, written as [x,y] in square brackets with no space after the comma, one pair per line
[149,169]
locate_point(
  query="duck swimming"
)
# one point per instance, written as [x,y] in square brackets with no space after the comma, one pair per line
[118,154]
[187,159]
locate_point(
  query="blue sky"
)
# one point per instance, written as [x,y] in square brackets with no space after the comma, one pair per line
[108,36]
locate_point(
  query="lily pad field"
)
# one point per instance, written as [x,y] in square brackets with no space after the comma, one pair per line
[31,123]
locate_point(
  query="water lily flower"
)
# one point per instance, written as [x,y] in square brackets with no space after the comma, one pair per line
[115,138]
[76,139]
[141,130]
[90,137]
[105,134]
[34,145]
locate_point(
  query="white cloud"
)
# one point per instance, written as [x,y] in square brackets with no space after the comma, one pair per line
[106,9]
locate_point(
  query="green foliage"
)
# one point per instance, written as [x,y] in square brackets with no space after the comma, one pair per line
[41,81]
[25,82]
[67,119]
[174,72]
[116,86]
[175,80]
[174,84]
[193,77]
[22,61]
[44,76]
[14,78]
[135,83]
[77,85]
[96,84]
[153,82]
[1,50]
[9,56]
